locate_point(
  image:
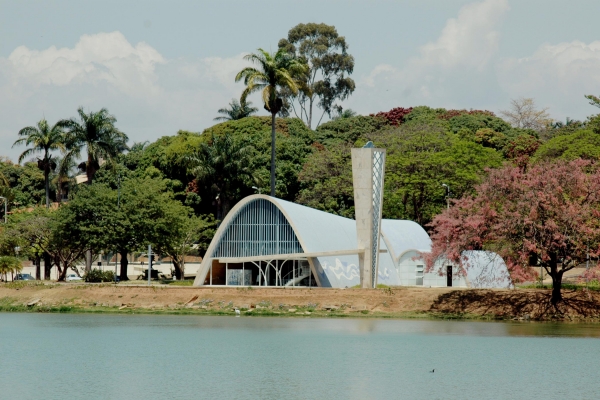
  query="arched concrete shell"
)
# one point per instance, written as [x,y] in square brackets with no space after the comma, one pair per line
[403,235]
[486,269]
[317,231]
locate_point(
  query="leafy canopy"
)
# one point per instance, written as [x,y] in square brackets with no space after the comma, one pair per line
[328,63]
[273,70]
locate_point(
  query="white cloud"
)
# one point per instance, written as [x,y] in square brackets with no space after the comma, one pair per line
[382,69]
[151,96]
[103,57]
[462,69]
[470,40]
[466,45]
[556,75]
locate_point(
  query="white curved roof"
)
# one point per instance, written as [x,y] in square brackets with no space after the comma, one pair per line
[318,230]
[403,235]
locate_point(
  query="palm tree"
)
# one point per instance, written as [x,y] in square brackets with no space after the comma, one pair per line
[223,165]
[64,175]
[236,110]
[96,132]
[343,114]
[274,71]
[42,139]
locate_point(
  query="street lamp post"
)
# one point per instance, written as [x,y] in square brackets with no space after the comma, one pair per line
[5,208]
[256,188]
[447,195]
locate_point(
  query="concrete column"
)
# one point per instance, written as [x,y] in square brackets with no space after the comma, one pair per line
[368,168]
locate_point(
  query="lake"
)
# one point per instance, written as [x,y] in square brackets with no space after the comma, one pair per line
[79,356]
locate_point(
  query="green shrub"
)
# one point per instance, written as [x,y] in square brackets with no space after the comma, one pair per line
[96,275]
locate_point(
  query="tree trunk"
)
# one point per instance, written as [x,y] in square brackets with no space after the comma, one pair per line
[47,266]
[273,154]
[37,262]
[47,183]
[62,273]
[59,189]
[124,264]
[89,169]
[310,107]
[225,207]
[556,286]
[179,269]
[556,281]
[88,261]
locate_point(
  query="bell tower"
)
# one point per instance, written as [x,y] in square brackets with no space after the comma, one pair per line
[368,169]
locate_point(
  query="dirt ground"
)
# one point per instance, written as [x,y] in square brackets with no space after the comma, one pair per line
[525,304]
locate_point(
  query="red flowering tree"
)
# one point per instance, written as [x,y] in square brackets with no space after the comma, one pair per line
[545,216]
[395,116]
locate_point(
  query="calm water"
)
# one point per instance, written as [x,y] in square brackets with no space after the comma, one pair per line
[183,357]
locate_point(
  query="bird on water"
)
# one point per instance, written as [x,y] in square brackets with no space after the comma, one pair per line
[432,371]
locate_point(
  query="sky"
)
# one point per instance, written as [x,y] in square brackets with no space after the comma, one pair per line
[162,66]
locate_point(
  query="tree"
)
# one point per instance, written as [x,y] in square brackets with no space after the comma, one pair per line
[222,165]
[5,188]
[524,114]
[594,100]
[185,233]
[521,149]
[274,72]
[147,214]
[96,132]
[325,53]
[128,218]
[349,130]
[9,264]
[13,243]
[57,233]
[42,139]
[64,176]
[236,110]
[581,144]
[422,156]
[343,114]
[26,186]
[546,216]
[326,179]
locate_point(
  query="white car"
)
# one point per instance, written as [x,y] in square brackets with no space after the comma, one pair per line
[73,277]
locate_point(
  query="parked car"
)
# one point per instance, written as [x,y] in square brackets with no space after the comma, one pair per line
[24,277]
[73,277]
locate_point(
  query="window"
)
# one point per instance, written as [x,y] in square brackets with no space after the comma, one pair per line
[419,276]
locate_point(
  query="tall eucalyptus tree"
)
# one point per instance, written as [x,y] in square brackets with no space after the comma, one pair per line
[329,65]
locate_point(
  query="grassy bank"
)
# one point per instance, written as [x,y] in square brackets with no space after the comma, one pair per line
[413,302]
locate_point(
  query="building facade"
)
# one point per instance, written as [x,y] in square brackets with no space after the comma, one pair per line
[265,241]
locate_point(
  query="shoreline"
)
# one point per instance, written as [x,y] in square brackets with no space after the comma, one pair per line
[395,302]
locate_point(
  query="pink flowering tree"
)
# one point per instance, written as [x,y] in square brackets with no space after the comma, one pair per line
[546,216]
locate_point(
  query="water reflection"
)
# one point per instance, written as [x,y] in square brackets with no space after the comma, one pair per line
[156,357]
[348,326]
